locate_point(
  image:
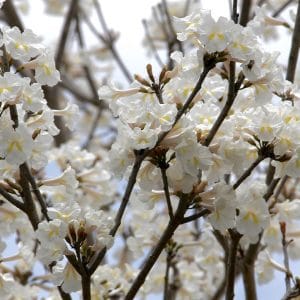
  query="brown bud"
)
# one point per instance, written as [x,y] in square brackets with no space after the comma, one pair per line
[282,228]
[81,234]
[72,233]
[36,133]
[162,75]
[150,73]
[285,157]
[141,80]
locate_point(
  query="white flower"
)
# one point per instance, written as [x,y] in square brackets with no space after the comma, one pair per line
[243,44]
[33,97]
[67,179]
[6,285]
[223,215]
[16,145]
[10,88]
[21,46]
[41,144]
[267,124]
[66,277]
[70,114]
[188,26]
[111,94]
[98,224]
[253,214]
[45,71]
[51,251]
[213,89]
[292,167]
[142,138]
[65,212]
[215,36]
[288,210]
[179,180]
[44,121]
[264,268]
[193,157]
[53,230]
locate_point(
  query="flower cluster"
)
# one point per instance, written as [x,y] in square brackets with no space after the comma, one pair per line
[262,124]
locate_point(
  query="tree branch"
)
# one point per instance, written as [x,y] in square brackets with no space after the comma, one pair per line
[282,8]
[245,12]
[12,200]
[36,191]
[29,206]
[248,270]
[232,93]
[194,217]
[231,264]
[167,192]
[294,51]
[131,182]
[64,34]
[110,43]
[248,171]
[156,251]
[152,45]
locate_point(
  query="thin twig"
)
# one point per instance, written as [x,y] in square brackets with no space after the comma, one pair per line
[285,245]
[152,45]
[64,34]
[111,43]
[91,81]
[167,192]
[92,131]
[171,26]
[68,85]
[131,182]
[232,93]
[12,200]
[156,251]
[36,191]
[63,294]
[101,17]
[196,216]
[282,8]
[271,189]
[92,85]
[248,171]
[167,274]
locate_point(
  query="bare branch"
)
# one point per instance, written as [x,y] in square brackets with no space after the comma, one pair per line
[152,45]
[12,200]
[156,251]
[167,193]
[282,8]
[231,264]
[248,171]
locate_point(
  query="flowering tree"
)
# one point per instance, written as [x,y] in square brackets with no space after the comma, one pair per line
[191,171]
